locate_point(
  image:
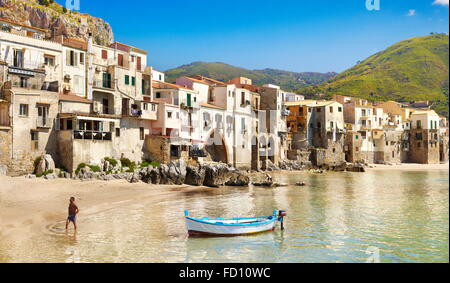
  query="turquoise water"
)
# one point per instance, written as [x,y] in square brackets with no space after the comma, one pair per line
[385,216]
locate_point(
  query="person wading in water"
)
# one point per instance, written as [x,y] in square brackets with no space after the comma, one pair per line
[73,211]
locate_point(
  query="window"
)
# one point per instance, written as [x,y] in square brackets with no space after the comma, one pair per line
[120,60]
[158,95]
[145,106]
[117,132]
[143,86]
[319,125]
[23,82]
[153,107]
[242,98]
[81,58]
[49,60]
[419,125]
[318,110]
[340,109]
[331,109]
[138,63]
[104,54]
[34,141]
[169,115]
[133,81]
[71,58]
[18,58]
[332,125]
[141,133]
[419,144]
[160,77]
[309,110]
[23,111]
[127,79]
[356,137]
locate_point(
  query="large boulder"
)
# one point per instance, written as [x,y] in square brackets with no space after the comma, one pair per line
[49,162]
[238,179]
[164,178]
[217,174]
[40,167]
[177,172]
[195,176]
[269,166]
[154,177]
[357,167]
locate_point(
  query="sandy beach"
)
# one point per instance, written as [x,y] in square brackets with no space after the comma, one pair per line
[28,205]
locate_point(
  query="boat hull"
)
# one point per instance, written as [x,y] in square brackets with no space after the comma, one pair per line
[199,228]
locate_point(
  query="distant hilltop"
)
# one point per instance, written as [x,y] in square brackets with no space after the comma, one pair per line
[224,72]
[51,16]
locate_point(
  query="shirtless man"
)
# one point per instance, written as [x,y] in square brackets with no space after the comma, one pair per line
[73,211]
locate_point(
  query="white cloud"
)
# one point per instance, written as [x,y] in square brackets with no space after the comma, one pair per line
[441,2]
[411,13]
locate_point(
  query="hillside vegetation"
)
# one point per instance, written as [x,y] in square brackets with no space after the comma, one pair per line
[224,72]
[411,70]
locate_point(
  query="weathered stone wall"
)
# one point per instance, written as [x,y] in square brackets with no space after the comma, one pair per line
[5,147]
[424,147]
[158,148]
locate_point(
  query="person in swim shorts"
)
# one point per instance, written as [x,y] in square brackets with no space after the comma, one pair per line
[73,211]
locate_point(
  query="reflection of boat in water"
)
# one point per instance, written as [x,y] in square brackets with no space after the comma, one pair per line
[233,226]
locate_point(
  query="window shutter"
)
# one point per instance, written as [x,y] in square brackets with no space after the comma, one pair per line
[75,59]
[67,57]
[133,81]
[127,79]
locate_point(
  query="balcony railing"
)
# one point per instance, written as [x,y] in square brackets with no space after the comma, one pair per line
[45,86]
[43,122]
[103,84]
[92,135]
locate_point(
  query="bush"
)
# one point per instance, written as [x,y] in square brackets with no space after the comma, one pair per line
[147,163]
[94,168]
[111,161]
[126,162]
[80,166]
[45,173]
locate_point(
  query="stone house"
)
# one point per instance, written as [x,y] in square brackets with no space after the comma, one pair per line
[29,98]
[424,137]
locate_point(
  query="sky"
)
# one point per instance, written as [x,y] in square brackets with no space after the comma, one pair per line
[292,35]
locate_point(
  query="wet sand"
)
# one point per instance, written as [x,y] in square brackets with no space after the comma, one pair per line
[409,167]
[28,205]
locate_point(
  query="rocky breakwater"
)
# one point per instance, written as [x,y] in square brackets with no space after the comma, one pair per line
[174,173]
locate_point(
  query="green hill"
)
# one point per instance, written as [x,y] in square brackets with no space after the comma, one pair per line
[223,72]
[415,69]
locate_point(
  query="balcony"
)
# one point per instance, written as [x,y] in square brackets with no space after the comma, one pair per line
[34,84]
[43,123]
[92,135]
[106,84]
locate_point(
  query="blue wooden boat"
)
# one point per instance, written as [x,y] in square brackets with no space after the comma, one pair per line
[233,226]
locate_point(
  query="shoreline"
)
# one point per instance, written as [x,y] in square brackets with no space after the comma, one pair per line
[408,167]
[21,197]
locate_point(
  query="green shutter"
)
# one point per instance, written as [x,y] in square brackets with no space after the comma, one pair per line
[127,79]
[133,81]
[143,86]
